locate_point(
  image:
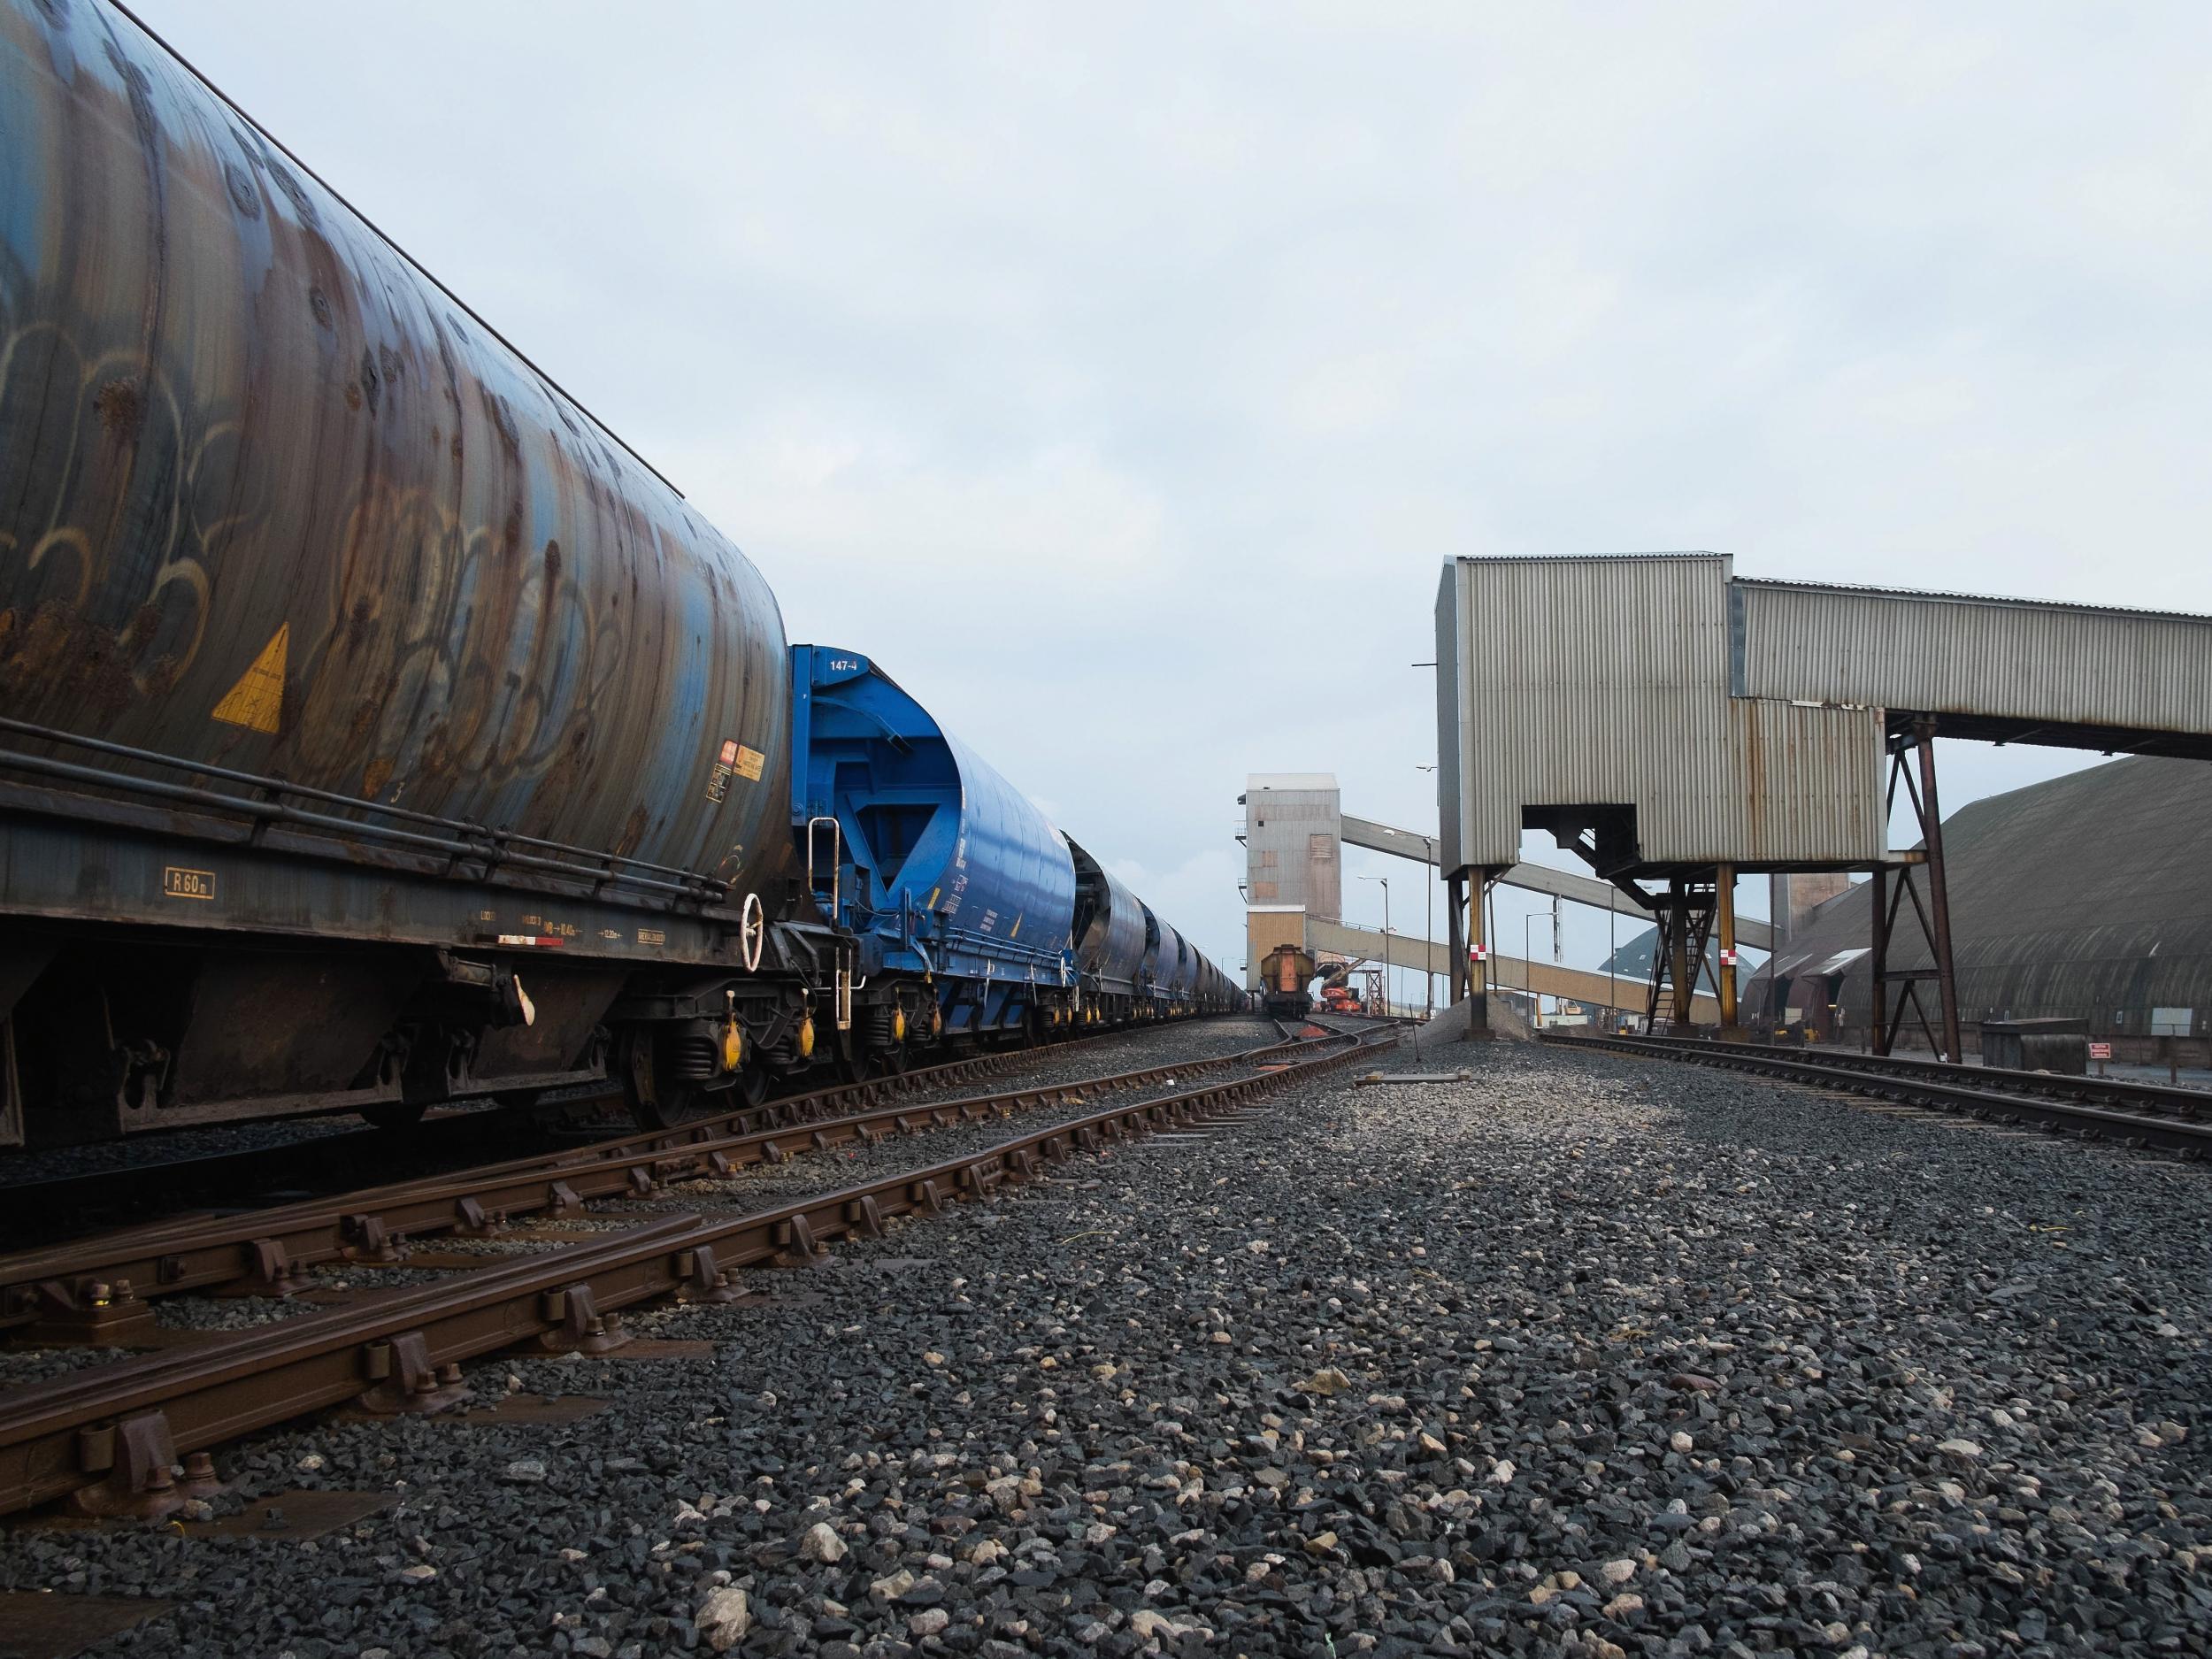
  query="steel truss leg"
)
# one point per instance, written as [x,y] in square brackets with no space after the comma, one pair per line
[1477,960]
[1678,963]
[1938,889]
[1682,977]
[1724,910]
[1456,938]
[1661,954]
[1887,1016]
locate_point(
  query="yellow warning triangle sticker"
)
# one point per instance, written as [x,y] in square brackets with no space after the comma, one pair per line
[257,699]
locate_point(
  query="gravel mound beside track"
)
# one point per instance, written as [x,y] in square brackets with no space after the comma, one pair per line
[1591,1356]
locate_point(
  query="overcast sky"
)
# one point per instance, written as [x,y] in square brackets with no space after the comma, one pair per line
[1119,376]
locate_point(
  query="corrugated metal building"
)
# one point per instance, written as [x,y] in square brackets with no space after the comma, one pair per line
[1596,692]
[2020,671]
[1292,829]
[1681,717]
[1669,723]
[2089,897]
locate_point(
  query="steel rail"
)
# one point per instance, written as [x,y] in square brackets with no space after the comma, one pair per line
[2107,1091]
[84,1188]
[110,1437]
[109,1188]
[98,1288]
[2189,1139]
[774,1111]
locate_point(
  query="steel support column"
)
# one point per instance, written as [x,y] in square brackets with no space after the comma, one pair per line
[1724,906]
[1683,986]
[1939,888]
[1478,958]
[1686,916]
[1915,742]
[1456,941]
[1661,954]
[1878,966]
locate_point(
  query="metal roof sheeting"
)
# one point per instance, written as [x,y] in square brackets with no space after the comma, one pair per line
[1951,654]
[1743,721]
[1605,681]
[1965,598]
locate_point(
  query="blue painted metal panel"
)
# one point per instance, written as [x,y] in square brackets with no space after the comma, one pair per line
[946,867]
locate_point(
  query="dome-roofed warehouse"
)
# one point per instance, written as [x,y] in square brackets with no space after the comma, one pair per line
[2087,897]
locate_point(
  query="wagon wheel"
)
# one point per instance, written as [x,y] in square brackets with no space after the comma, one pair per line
[660,1102]
[751,1087]
[855,1062]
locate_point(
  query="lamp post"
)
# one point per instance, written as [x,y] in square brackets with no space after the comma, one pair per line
[1428,922]
[1528,971]
[1428,930]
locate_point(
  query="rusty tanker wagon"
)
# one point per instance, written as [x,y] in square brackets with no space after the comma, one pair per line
[377,730]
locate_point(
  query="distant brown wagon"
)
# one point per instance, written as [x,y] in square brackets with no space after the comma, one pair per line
[1284,973]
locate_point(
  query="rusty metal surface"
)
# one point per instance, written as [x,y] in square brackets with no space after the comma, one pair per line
[2191,1104]
[545,1410]
[1604,683]
[95,1290]
[299,1514]
[403,1352]
[269,500]
[37,1625]
[57,1209]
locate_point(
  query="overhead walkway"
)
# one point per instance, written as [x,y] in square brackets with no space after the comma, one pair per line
[2003,670]
[1506,973]
[1672,723]
[1558,884]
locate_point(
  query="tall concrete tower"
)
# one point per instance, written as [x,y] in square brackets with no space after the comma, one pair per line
[1294,832]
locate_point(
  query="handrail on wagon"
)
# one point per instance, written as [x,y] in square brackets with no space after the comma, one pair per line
[495,848]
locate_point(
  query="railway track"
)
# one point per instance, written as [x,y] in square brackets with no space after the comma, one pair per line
[100,1289]
[2175,1120]
[79,1198]
[109,1436]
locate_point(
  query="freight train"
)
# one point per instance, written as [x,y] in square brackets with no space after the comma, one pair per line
[1286,972]
[376,729]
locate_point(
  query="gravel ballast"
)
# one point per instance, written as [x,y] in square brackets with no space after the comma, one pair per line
[1588,1356]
